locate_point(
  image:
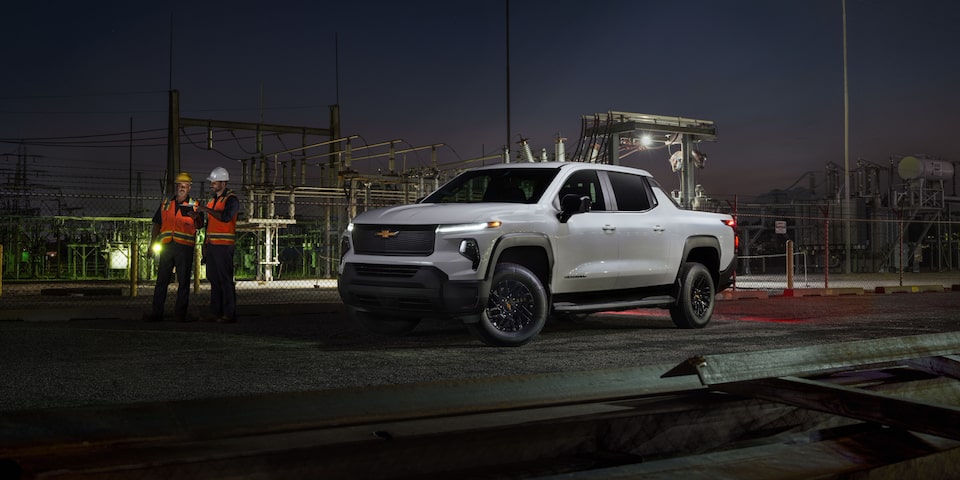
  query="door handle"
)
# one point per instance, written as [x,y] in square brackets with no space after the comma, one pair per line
[609,228]
[658,228]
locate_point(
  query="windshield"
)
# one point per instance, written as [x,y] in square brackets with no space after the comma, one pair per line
[510,185]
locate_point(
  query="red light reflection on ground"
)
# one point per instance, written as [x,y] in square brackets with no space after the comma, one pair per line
[767,319]
[640,312]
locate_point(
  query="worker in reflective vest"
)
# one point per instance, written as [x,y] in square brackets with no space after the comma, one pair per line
[219,246]
[173,240]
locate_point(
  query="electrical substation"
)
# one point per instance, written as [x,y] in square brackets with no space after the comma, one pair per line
[296,202]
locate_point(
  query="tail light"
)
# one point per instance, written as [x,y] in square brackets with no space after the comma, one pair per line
[732,223]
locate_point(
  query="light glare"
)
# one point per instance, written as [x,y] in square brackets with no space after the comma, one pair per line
[468,227]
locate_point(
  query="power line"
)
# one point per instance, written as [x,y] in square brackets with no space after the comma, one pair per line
[91,135]
[158,111]
[82,95]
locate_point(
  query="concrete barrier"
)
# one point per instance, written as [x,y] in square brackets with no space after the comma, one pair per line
[910,289]
[741,294]
[821,292]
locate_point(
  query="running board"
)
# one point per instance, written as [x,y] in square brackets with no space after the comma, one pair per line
[657,301]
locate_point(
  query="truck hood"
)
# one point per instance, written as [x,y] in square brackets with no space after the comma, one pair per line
[440,213]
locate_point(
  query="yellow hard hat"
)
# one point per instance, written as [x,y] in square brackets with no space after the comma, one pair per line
[183,177]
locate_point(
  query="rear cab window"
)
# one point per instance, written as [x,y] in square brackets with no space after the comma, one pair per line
[632,192]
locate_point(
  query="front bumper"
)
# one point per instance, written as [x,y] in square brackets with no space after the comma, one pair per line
[407,290]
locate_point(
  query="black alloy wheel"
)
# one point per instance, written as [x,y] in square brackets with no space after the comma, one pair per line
[516,310]
[696,298]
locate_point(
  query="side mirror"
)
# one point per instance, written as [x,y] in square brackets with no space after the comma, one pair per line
[571,205]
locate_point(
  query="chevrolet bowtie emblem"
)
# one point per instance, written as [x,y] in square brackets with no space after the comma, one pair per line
[386,234]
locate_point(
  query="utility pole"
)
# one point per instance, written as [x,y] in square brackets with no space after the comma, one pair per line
[173,124]
[173,141]
[507,18]
[847,205]
[130,173]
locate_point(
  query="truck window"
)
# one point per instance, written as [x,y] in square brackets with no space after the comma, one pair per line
[584,182]
[631,191]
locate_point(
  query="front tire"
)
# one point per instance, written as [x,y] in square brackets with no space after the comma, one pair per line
[389,326]
[516,310]
[696,298]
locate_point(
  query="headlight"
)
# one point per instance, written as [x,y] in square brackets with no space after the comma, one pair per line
[468,227]
[345,241]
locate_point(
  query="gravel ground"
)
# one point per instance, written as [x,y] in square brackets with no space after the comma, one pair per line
[293,348]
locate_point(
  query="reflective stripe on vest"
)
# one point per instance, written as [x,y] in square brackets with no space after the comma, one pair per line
[175,226]
[220,233]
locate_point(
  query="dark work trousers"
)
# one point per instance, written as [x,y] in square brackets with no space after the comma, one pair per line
[173,256]
[223,292]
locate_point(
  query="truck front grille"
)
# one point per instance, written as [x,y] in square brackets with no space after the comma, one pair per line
[404,303]
[386,271]
[404,240]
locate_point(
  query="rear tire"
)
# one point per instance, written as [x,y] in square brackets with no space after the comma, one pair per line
[516,310]
[696,298]
[384,325]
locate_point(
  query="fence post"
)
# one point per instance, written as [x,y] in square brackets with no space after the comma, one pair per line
[790,264]
[826,245]
[900,245]
[134,266]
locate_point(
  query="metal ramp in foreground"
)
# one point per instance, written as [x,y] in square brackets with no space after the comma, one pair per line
[883,408]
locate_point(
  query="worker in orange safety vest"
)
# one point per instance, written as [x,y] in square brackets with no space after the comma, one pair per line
[173,241]
[219,246]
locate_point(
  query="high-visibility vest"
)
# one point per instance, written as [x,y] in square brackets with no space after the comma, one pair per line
[220,233]
[175,226]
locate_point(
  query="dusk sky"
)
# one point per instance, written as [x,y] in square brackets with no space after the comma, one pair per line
[769,73]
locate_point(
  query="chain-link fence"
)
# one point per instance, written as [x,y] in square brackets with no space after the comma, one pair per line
[770,273]
[876,248]
[56,247]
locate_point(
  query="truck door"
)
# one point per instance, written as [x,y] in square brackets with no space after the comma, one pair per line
[586,246]
[649,250]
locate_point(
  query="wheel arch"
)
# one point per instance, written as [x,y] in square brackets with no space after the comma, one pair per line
[531,250]
[527,249]
[704,250]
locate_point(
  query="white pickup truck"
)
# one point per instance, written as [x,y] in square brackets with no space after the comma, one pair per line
[504,247]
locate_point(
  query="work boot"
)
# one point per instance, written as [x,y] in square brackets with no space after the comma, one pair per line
[209,317]
[185,318]
[226,319]
[149,317]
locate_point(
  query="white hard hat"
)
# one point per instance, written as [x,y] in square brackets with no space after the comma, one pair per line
[219,174]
